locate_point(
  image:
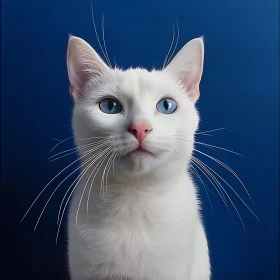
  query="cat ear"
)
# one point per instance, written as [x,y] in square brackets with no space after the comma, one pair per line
[83,63]
[187,66]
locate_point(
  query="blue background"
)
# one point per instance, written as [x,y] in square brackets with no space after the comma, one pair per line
[239,90]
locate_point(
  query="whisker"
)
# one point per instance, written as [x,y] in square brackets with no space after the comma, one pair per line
[99,164]
[206,134]
[110,165]
[203,132]
[68,154]
[163,66]
[89,160]
[115,159]
[60,222]
[101,142]
[61,143]
[229,169]
[104,171]
[216,129]
[226,195]
[229,187]
[95,137]
[210,146]
[107,151]
[50,183]
[104,43]
[76,148]
[195,173]
[65,209]
[97,34]
[93,181]
[102,178]
[85,162]
[216,184]
[178,35]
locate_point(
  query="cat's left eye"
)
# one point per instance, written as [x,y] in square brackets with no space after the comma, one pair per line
[110,106]
[166,106]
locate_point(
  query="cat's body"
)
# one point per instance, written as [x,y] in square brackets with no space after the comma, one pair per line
[138,219]
[139,233]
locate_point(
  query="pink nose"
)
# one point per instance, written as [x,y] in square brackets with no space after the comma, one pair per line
[139,130]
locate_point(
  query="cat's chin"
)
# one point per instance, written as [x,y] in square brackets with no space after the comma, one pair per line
[137,161]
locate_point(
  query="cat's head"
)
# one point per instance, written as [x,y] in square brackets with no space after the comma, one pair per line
[137,118]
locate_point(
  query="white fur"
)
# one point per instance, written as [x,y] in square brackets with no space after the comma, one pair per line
[142,221]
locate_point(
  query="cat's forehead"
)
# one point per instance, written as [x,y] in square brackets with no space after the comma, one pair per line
[141,82]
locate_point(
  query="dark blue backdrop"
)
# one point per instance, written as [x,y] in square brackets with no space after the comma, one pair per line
[239,90]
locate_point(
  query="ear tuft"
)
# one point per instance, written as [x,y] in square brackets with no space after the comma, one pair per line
[187,66]
[83,63]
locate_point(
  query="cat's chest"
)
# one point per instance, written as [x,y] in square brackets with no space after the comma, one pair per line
[131,231]
[132,218]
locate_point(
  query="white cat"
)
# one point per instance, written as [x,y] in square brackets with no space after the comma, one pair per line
[135,213]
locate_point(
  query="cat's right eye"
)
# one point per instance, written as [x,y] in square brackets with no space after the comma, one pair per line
[110,106]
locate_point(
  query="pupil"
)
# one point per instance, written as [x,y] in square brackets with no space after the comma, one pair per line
[111,105]
[166,104]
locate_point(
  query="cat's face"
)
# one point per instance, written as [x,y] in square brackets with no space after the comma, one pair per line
[136,118]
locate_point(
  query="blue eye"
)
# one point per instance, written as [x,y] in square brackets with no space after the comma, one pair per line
[166,106]
[110,106]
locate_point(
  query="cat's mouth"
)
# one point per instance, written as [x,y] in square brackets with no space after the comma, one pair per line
[140,150]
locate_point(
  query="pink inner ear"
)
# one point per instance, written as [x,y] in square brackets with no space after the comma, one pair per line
[192,77]
[82,64]
[76,81]
[186,67]
[191,84]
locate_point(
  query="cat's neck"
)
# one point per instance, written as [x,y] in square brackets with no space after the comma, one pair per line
[165,172]
[168,174]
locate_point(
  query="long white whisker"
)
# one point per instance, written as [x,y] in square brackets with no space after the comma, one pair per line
[229,169]
[61,143]
[216,184]
[206,134]
[203,132]
[85,162]
[74,150]
[104,171]
[115,159]
[103,36]
[211,146]
[51,182]
[60,222]
[65,208]
[226,195]
[230,188]
[94,158]
[178,35]
[97,33]
[107,151]
[195,173]
[100,164]
[169,49]
[102,178]
[111,160]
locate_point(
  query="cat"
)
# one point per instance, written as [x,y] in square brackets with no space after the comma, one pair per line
[135,214]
